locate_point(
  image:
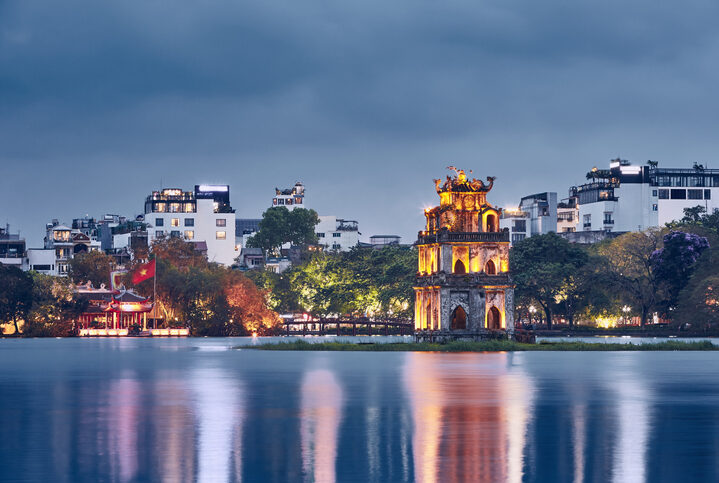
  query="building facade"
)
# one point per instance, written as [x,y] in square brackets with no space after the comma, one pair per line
[627,197]
[463,286]
[12,249]
[203,216]
[537,215]
[290,198]
[337,234]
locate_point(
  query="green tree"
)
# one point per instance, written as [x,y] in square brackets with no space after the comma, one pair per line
[629,262]
[92,266]
[543,268]
[280,225]
[15,295]
[54,307]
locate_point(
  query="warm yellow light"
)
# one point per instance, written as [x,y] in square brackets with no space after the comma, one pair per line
[606,322]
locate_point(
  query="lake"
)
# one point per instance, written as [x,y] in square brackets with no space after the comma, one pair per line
[125,410]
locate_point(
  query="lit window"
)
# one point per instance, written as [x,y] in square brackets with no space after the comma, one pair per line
[655,207]
[159,222]
[220,235]
[175,222]
[220,222]
[189,234]
[189,222]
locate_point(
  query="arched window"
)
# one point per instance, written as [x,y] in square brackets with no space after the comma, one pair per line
[459,319]
[459,267]
[491,223]
[490,268]
[494,319]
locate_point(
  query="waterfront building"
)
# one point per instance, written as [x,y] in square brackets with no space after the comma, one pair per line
[463,287]
[337,234]
[627,197]
[537,214]
[290,198]
[12,249]
[203,216]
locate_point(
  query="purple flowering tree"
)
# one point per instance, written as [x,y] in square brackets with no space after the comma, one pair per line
[675,262]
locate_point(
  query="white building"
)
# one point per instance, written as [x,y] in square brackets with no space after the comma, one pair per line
[536,215]
[337,234]
[204,215]
[633,198]
[12,249]
[290,198]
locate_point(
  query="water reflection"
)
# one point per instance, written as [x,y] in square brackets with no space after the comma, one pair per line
[219,413]
[321,412]
[470,416]
[122,413]
[172,425]
[633,412]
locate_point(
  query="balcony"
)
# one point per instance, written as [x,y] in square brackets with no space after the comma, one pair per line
[456,280]
[424,238]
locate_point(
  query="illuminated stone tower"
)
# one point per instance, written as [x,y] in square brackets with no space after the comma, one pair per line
[463,286]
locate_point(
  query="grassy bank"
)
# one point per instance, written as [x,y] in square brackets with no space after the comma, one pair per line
[485,346]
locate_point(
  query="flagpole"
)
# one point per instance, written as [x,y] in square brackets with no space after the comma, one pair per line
[154,291]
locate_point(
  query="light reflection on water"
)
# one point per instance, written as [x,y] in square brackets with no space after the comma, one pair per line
[186,410]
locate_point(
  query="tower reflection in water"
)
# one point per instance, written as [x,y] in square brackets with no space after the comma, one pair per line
[470,415]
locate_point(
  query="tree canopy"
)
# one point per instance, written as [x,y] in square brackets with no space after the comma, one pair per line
[15,295]
[92,266]
[280,225]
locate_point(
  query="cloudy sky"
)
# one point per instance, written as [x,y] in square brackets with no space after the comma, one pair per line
[365,102]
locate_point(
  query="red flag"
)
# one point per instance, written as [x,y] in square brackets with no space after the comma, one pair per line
[144,272]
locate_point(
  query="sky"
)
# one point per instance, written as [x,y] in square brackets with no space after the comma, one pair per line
[364,101]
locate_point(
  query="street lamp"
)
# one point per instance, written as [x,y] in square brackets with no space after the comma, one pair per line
[532,311]
[626,309]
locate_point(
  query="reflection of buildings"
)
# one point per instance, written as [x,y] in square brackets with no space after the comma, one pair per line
[321,413]
[463,284]
[470,416]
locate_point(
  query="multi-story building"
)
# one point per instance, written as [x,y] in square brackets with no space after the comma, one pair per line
[203,216]
[632,198]
[463,287]
[290,198]
[337,234]
[244,229]
[537,215]
[567,215]
[380,241]
[12,249]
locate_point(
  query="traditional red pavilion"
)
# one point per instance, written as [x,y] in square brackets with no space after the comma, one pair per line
[112,312]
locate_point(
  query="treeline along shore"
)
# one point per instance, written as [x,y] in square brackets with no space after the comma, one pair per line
[654,282]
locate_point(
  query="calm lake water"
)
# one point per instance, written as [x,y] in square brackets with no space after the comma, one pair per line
[122,410]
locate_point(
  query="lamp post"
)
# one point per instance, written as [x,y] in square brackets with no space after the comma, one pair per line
[532,311]
[626,309]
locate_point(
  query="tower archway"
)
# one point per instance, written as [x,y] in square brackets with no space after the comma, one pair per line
[491,222]
[494,319]
[459,267]
[459,319]
[490,268]
[428,315]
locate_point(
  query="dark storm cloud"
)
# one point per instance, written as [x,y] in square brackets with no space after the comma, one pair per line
[349,97]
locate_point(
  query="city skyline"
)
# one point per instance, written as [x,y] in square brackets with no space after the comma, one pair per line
[362,103]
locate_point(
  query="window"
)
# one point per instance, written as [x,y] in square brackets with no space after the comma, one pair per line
[159,222]
[520,225]
[336,235]
[707,194]
[695,194]
[220,235]
[189,234]
[654,193]
[608,218]
[220,222]
[320,235]
[289,201]
[274,201]
[336,246]
[159,233]
[189,222]
[663,194]
[280,201]
[678,194]
[175,234]
[587,221]
[175,222]
[655,207]
[298,201]
[518,237]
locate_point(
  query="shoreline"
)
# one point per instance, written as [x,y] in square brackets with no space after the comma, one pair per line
[483,346]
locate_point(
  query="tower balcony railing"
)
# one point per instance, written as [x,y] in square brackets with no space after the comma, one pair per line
[455,279]
[424,238]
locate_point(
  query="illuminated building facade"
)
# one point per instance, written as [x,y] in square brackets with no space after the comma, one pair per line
[291,197]
[203,216]
[463,287]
